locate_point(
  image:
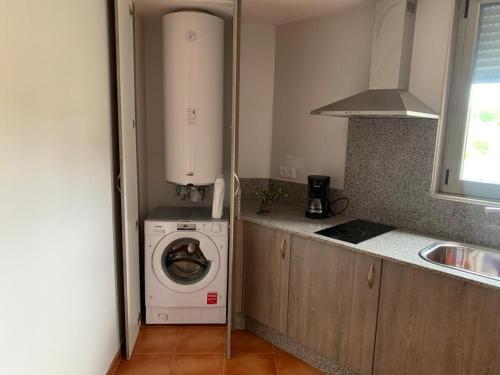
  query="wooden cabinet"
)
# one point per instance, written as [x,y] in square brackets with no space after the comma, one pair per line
[433,324]
[266,266]
[374,317]
[333,301]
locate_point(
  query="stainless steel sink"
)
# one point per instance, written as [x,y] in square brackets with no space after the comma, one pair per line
[462,257]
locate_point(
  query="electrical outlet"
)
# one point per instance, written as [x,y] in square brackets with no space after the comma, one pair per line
[287,172]
[282,171]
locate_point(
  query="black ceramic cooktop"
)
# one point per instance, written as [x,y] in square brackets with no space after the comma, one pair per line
[356,231]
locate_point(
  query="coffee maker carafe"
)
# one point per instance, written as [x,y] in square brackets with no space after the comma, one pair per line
[318,206]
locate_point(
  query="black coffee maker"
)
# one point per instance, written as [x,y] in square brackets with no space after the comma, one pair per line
[319,205]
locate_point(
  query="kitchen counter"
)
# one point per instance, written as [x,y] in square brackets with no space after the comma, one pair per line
[399,245]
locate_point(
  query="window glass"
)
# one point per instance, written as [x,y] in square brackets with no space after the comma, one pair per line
[471,148]
[481,159]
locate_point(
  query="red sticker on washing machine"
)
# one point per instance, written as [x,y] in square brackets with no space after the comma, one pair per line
[212,298]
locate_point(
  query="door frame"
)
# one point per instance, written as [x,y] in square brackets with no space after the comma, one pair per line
[235,186]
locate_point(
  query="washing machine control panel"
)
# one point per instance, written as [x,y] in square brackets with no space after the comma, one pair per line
[186,226]
[217,228]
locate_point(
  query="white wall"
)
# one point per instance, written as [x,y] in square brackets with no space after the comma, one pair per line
[318,61]
[430,51]
[256,100]
[57,259]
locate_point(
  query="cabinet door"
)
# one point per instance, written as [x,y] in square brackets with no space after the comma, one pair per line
[333,302]
[128,170]
[267,259]
[434,324]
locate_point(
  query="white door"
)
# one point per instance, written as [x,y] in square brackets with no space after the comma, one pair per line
[128,169]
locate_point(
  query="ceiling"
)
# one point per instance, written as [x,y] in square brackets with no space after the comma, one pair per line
[276,12]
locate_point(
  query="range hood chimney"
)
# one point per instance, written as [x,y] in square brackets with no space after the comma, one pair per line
[392,46]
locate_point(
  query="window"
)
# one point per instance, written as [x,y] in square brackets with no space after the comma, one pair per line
[471,160]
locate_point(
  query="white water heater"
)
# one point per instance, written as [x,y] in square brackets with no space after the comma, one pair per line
[193,82]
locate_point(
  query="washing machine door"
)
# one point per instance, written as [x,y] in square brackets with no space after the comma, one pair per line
[186,262]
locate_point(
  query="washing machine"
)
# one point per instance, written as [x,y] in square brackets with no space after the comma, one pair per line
[186,257]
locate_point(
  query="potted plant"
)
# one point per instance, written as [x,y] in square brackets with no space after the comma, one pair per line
[268,197]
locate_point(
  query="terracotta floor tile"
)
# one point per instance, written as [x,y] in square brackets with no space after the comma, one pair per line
[246,342]
[199,350]
[287,364]
[157,340]
[251,364]
[197,340]
[198,364]
[150,364]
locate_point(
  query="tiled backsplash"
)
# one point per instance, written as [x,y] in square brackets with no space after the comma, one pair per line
[388,180]
[250,186]
[297,193]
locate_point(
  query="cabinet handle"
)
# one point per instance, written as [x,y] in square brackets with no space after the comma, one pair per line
[371,276]
[238,185]
[119,183]
[282,248]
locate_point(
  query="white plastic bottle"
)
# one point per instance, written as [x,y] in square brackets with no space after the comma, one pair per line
[218,202]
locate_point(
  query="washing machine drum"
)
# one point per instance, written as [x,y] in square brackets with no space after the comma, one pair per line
[186,261]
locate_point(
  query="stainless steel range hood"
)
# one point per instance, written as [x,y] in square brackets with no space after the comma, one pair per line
[392,45]
[378,103]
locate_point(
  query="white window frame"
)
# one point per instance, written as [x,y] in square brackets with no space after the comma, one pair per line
[461,70]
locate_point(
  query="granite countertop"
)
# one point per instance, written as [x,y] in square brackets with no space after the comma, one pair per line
[399,245]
